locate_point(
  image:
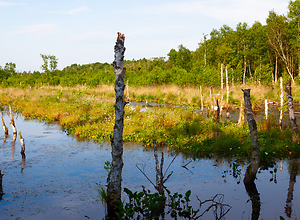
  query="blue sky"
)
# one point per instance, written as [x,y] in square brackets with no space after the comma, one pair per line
[85,31]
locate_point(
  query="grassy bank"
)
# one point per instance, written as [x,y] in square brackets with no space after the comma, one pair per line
[89,114]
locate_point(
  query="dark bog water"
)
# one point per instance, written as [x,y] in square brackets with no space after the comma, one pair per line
[58,178]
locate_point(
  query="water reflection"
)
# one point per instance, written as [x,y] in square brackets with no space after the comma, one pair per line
[1,187]
[294,172]
[13,147]
[255,199]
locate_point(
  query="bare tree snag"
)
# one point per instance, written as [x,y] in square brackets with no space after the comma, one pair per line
[281,104]
[115,175]
[222,83]
[217,111]
[288,90]
[12,121]
[3,125]
[242,115]
[201,97]
[22,140]
[255,157]
[227,86]
[266,109]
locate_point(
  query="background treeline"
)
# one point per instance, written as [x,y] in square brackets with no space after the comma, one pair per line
[256,54]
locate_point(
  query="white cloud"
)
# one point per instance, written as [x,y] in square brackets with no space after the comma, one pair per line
[38,29]
[74,11]
[8,4]
[230,11]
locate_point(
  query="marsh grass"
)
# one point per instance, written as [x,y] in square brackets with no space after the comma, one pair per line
[86,114]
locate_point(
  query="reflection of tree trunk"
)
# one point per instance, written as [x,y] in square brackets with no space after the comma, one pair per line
[255,199]
[3,125]
[115,176]
[294,172]
[288,90]
[1,187]
[255,157]
[13,145]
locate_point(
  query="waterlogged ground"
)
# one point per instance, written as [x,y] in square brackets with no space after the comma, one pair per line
[59,177]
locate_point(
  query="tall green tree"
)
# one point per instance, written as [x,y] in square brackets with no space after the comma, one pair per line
[50,63]
[280,38]
[294,16]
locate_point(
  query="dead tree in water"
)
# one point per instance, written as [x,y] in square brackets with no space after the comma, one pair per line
[288,90]
[22,140]
[255,158]
[242,115]
[115,175]
[3,125]
[12,121]
[281,104]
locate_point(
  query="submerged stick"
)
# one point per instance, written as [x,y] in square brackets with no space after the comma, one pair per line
[3,125]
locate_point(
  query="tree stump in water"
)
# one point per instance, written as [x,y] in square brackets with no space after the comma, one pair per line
[115,175]
[255,157]
[288,90]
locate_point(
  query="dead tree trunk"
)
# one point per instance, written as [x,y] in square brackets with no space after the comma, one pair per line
[222,83]
[281,104]
[115,176]
[3,125]
[227,87]
[201,97]
[22,140]
[288,90]
[12,121]
[242,115]
[255,157]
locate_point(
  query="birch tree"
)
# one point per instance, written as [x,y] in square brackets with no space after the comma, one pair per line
[115,175]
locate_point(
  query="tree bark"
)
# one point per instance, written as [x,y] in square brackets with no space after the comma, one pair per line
[255,157]
[12,121]
[288,90]
[222,83]
[281,104]
[227,86]
[115,175]
[242,115]
[201,97]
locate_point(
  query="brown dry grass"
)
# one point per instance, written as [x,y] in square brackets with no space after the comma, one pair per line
[187,95]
